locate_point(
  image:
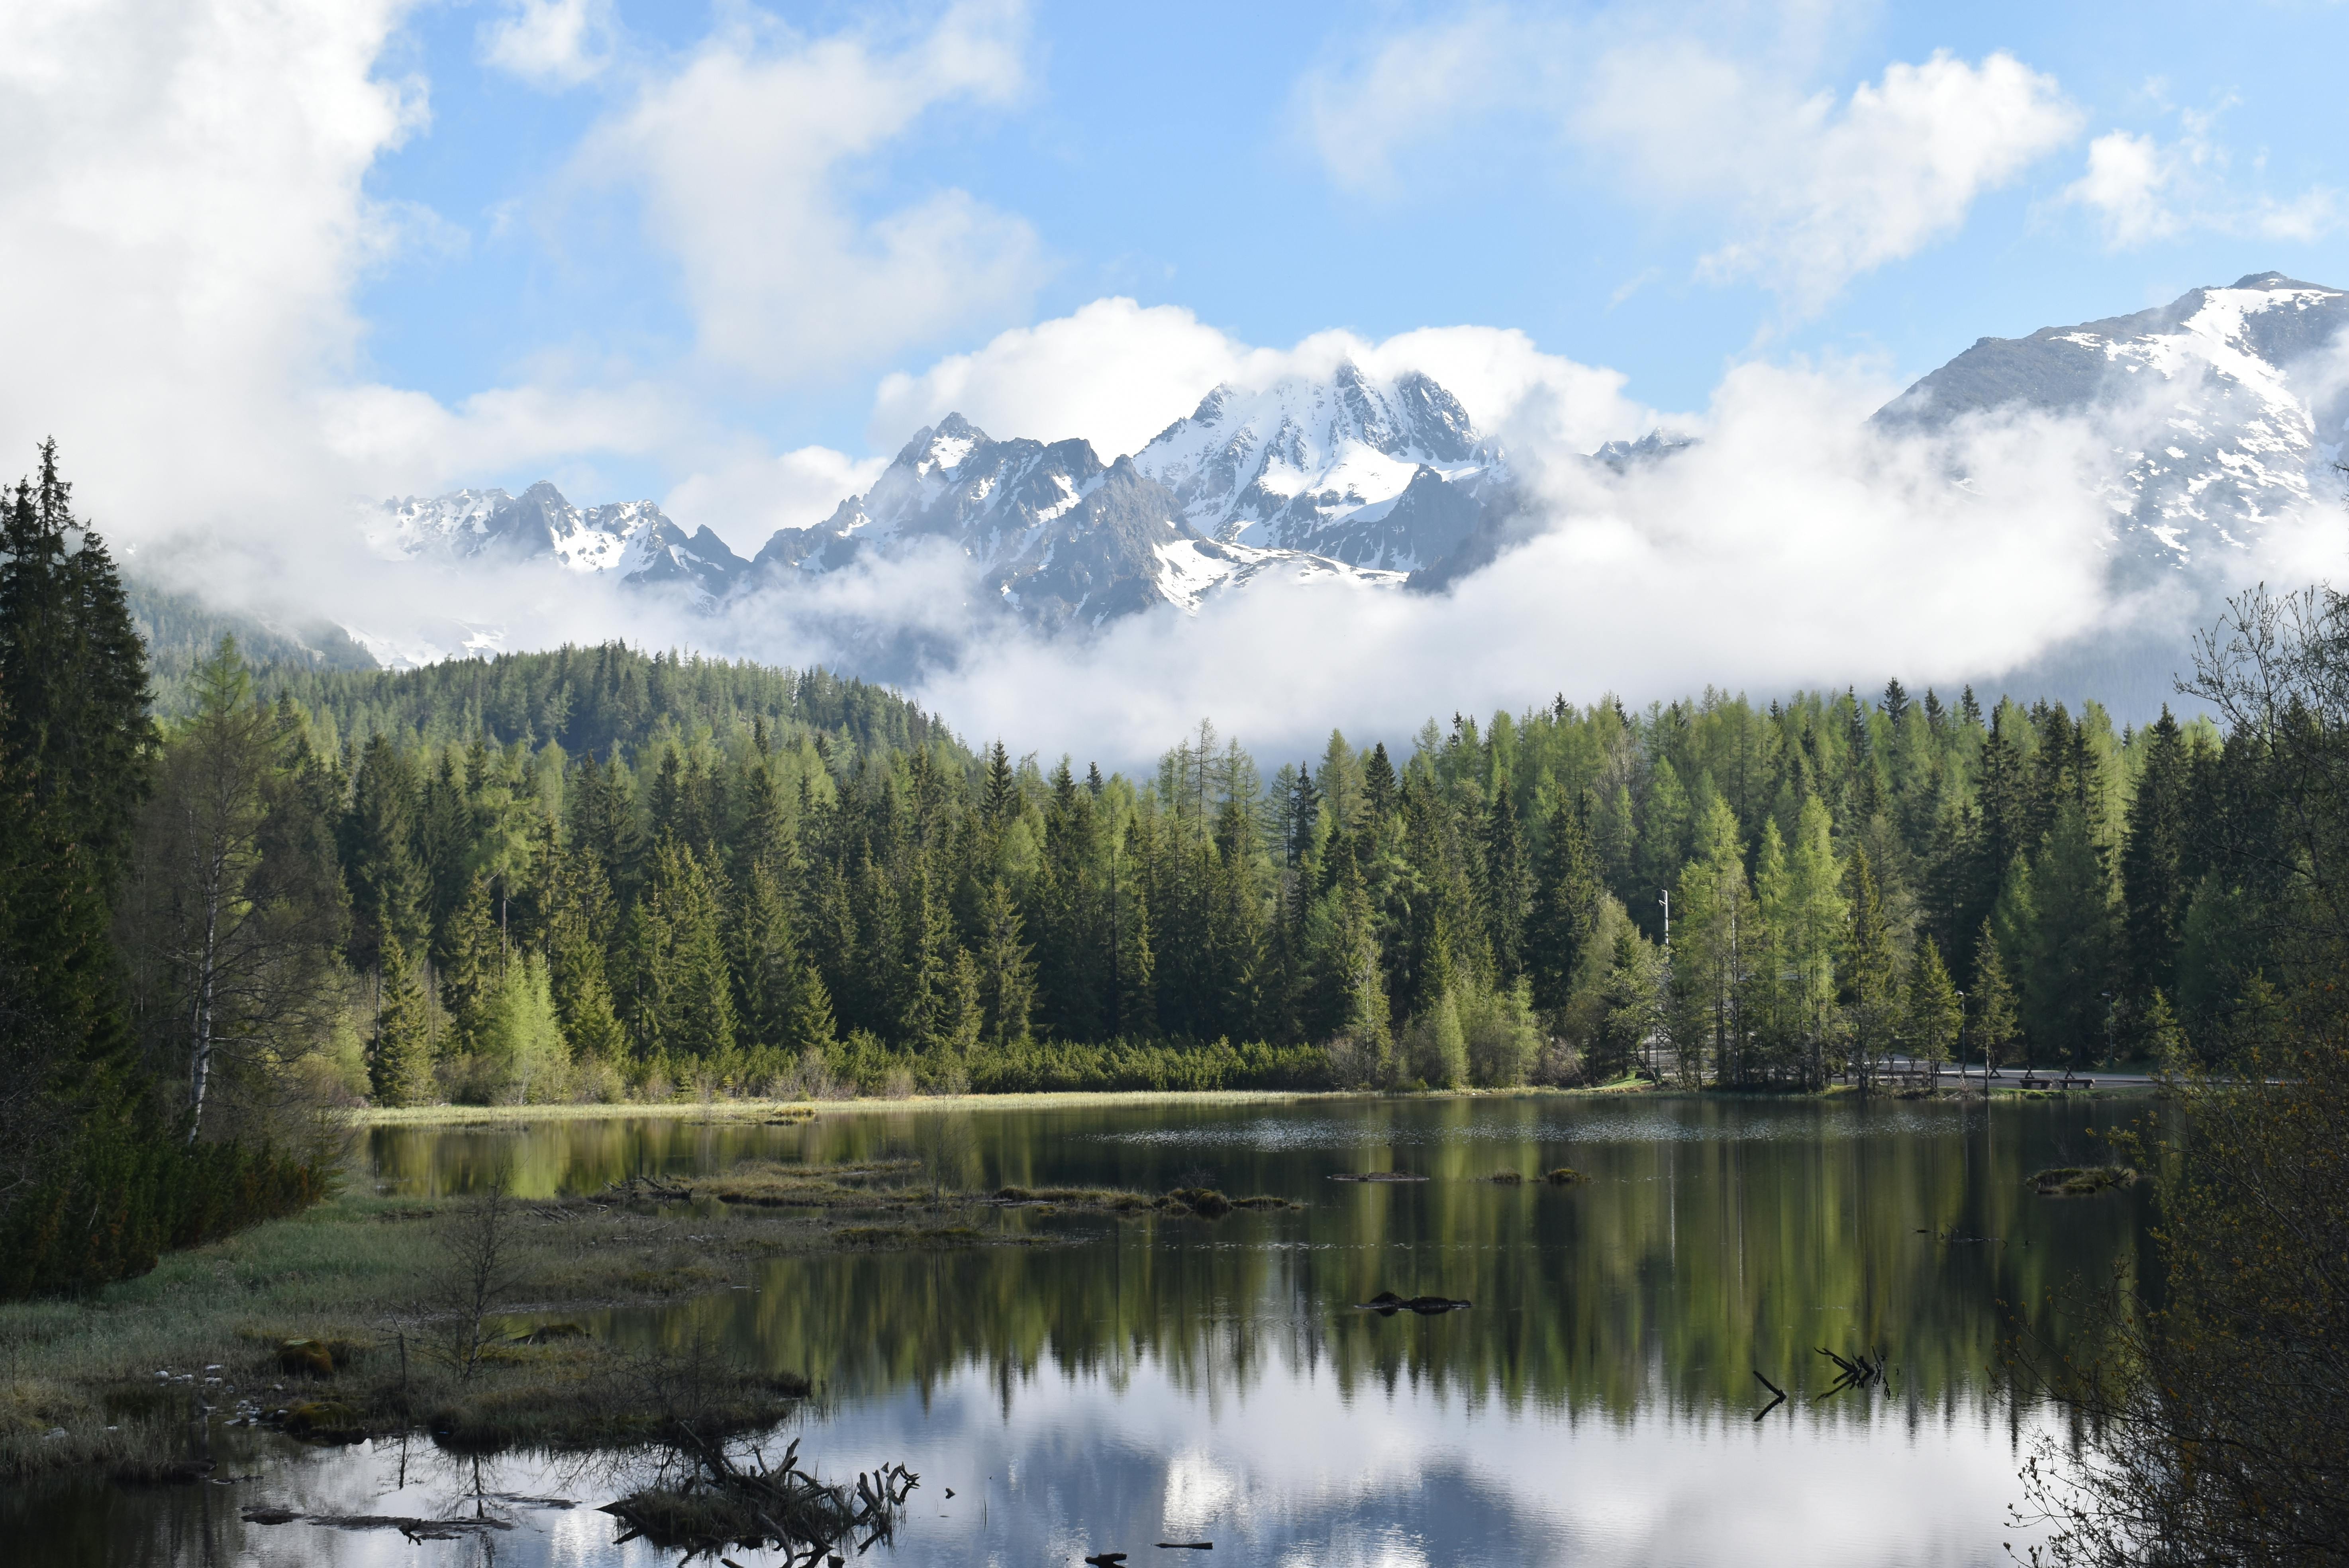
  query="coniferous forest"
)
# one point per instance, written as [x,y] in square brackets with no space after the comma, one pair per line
[594,871]
[598,873]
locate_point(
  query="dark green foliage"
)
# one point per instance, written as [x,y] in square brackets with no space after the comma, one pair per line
[96,1171]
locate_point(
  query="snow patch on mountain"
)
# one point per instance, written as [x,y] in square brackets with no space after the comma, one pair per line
[2221,406]
[1319,466]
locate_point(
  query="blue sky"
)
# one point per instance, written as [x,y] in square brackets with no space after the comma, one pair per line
[1176,156]
[270,261]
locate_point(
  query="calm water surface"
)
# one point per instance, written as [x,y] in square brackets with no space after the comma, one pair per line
[1183,1380]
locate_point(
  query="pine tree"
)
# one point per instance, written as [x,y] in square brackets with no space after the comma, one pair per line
[685,992]
[1663,845]
[2153,889]
[581,923]
[1378,790]
[1007,976]
[77,756]
[770,970]
[1507,888]
[1995,1026]
[399,1057]
[1301,830]
[472,965]
[2071,977]
[963,1018]
[1134,1014]
[929,965]
[1872,979]
[1935,1012]
[1565,898]
[1439,1047]
[379,860]
[1000,803]
[1813,924]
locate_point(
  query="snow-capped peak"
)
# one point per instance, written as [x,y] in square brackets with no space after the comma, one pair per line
[1319,464]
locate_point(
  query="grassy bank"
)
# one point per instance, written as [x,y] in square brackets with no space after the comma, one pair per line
[762,1110]
[358,1318]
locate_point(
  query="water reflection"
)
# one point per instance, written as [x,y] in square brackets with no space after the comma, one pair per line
[1166,1379]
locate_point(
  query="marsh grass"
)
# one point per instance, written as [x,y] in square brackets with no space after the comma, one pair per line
[348,1303]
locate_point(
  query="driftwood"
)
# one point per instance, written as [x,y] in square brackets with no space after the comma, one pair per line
[1859,1372]
[721,1503]
[1779,1396]
[1386,1304]
[1376,1176]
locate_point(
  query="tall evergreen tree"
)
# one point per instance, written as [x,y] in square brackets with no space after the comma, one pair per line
[1565,900]
[399,1054]
[2153,887]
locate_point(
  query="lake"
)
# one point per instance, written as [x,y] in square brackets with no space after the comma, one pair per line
[1180,1379]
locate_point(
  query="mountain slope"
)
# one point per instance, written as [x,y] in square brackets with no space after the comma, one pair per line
[2223,400]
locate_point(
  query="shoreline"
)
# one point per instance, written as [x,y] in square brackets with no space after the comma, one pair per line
[717,1111]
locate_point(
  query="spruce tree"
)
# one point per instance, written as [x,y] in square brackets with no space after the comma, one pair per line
[1872,980]
[1507,886]
[379,858]
[1994,1026]
[1000,801]
[1007,975]
[472,965]
[400,1055]
[77,753]
[1935,1012]
[1565,898]
[2153,889]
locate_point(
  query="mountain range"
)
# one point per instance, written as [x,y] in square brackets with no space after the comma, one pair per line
[2217,401]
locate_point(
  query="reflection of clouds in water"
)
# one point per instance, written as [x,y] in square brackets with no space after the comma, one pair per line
[1292,1471]
[1198,1490]
[1662,1126]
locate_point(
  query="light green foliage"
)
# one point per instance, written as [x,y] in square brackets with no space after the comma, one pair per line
[1436,1048]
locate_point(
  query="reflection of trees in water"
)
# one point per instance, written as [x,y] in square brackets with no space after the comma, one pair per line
[1684,1265]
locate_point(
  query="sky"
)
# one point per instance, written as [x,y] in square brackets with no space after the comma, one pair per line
[265,259]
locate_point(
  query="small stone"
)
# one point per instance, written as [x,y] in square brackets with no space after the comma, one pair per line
[53,1434]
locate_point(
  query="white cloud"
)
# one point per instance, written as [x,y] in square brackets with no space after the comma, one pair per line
[2124,183]
[552,43]
[1827,191]
[1362,117]
[1111,372]
[1900,168]
[2143,190]
[182,222]
[745,156]
[1116,374]
[1711,115]
[748,494]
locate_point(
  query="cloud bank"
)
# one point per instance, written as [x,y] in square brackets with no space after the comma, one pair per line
[1794,546]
